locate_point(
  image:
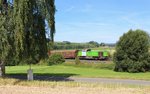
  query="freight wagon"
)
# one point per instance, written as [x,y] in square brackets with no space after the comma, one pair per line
[83,54]
[67,54]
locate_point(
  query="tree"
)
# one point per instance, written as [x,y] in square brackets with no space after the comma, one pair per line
[6,30]
[94,43]
[102,44]
[22,29]
[29,31]
[30,18]
[132,52]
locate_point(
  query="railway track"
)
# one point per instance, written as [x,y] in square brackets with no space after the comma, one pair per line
[89,61]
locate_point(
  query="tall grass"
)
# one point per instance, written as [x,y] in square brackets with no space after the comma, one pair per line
[14,86]
[39,83]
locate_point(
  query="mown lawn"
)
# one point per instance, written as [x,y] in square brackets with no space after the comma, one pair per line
[62,70]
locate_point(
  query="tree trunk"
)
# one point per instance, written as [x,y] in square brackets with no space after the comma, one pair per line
[2,68]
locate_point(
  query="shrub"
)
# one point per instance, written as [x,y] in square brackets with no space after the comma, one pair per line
[132,52]
[55,59]
[77,60]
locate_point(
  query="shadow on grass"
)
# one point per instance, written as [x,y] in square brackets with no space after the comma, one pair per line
[43,76]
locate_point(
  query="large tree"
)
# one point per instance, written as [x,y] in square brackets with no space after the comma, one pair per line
[132,52]
[27,23]
[6,31]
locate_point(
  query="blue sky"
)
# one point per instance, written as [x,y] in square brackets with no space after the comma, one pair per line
[100,20]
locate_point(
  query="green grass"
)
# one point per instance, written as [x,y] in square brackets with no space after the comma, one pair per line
[97,65]
[62,70]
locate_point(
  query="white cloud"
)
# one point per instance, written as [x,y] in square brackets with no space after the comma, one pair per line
[71,8]
[87,8]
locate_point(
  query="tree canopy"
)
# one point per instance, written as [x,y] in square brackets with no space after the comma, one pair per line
[22,29]
[132,52]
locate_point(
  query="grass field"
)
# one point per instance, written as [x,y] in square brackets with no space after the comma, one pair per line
[16,86]
[69,71]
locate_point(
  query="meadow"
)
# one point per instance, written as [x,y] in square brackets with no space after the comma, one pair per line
[11,85]
[19,86]
[72,70]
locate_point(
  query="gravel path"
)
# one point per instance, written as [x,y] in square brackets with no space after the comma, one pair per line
[80,79]
[114,81]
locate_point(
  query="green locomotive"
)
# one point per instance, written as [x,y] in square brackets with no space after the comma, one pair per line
[93,54]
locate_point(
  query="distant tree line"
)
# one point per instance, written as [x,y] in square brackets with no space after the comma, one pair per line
[70,45]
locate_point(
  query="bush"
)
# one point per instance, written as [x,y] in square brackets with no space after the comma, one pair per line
[77,60]
[132,52]
[55,59]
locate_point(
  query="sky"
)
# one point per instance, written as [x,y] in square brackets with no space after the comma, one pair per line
[100,20]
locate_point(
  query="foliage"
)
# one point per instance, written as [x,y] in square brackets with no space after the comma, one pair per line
[132,52]
[94,43]
[6,35]
[102,44]
[77,60]
[4,42]
[55,59]
[29,29]
[6,31]
[70,45]
[12,62]
[22,30]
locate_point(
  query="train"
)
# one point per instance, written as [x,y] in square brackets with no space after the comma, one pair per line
[83,54]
